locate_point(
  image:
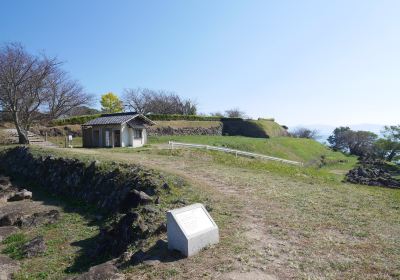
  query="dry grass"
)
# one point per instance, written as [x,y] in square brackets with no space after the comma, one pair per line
[286,225]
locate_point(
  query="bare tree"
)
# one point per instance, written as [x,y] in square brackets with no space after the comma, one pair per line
[144,101]
[216,114]
[82,110]
[302,132]
[23,85]
[64,94]
[33,87]
[235,113]
[137,99]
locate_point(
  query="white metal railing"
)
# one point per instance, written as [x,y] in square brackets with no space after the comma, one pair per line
[232,151]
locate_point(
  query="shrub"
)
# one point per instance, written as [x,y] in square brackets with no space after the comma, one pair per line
[74,120]
[266,119]
[159,117]
[154,117]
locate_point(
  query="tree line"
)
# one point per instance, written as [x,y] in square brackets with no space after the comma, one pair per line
[147,101]
[35,88]
[366,144]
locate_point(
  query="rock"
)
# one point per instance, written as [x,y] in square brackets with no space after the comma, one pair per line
[372,174]
[104,271]
[34,248]
[7,193]
[161,228]
[144,198]
[25,221]
[150,209]
[41,218]
[5,183]
[16,197]
[7,231]
[27,194]
[10,219]
[21,195]
[151,262]
[8,266]
[180,201]
[6,189]
[138,257]
[129,229]
[125,257]
[133,199]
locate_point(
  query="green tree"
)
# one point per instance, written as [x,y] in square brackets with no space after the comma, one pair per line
[110,103]
[359,143]
[338,141]
[388,147]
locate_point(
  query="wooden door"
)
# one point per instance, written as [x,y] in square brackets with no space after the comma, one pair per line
[117,138]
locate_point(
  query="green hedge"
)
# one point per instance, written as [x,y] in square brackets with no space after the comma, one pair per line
[154,117]
[159,117]
[75,120]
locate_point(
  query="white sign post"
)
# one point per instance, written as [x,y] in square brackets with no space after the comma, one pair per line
[190,229]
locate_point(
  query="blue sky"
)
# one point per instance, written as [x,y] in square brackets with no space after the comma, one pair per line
[302,62]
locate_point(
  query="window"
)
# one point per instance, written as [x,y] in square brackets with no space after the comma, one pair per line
[137,134]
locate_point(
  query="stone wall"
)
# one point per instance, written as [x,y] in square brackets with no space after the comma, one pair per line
[373,173]
[74,130]
[104,187]
[168,130]
[130,201]
[128,195]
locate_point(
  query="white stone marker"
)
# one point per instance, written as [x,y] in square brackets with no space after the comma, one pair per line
[190,229]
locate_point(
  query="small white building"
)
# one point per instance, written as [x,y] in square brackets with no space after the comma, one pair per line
[116,130]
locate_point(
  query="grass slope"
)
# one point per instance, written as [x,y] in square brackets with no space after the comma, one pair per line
[272,128]
[304,150]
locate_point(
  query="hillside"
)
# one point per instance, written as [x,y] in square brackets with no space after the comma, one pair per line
[271,127]
[193,124]
[304,150]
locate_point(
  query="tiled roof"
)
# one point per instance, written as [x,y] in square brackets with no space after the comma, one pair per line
[118,118]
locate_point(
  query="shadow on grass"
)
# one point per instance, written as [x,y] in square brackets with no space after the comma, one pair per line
[86,256]
[241,127]
[158,252]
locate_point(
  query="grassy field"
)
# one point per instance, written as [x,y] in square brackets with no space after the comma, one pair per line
[303,150]
[310,152]
[63,240]
[70,238]
[60,141]
[275,220]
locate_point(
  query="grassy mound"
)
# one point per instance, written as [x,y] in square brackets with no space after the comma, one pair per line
[304,150]
[271,128]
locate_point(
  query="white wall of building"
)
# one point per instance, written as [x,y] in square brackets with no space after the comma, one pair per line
[125,136]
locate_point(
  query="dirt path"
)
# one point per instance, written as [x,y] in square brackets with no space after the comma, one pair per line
[235,191]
